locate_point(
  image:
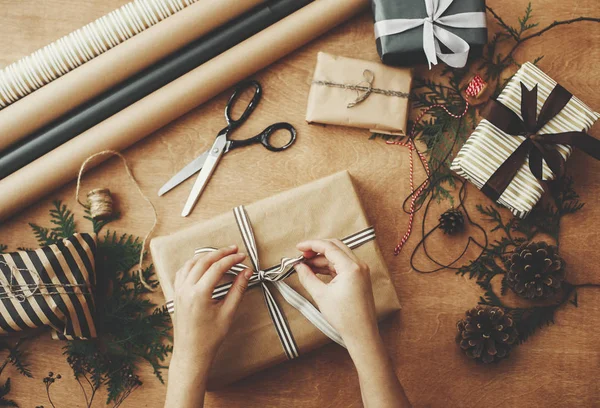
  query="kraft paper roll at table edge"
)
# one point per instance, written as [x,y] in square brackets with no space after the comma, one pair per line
[60,166]
[60,96]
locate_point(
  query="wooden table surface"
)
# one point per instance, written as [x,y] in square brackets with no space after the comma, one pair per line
[558,367]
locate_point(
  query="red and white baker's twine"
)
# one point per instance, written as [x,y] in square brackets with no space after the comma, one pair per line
[475,87]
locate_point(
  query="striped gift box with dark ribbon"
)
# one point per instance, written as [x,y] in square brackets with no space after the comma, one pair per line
[489,147]
[51,286]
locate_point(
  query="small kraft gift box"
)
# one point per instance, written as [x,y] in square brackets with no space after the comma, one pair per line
[410,32]
[358,93]
[277,319]
[525,137]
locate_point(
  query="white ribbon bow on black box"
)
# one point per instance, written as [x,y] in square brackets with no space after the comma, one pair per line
[434,32]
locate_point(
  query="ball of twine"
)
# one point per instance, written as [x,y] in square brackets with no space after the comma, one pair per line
[100,203]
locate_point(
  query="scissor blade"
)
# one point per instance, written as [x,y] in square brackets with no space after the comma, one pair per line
[210,164]
[188,171]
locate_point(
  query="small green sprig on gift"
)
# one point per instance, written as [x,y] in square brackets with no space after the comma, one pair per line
[131,328]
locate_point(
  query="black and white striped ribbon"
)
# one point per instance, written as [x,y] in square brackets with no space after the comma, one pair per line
[275,275]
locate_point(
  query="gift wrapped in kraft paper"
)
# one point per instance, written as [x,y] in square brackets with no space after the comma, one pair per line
[326,208]
[357,93]
[525,138]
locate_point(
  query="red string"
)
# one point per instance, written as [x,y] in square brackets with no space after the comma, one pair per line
[476,85]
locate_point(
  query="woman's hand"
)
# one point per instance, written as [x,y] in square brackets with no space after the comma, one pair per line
[200,322]
[347,300]
[348,305]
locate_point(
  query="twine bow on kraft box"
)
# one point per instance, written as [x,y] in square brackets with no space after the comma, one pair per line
[411,32]
[357,93]
[525,137]
[277,319]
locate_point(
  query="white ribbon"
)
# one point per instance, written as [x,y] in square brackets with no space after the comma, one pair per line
[275,276]
[433,33]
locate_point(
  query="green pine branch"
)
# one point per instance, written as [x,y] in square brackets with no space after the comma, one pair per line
[63,219]
[4,391]
[494,62]
[64,225]
[131,328]
[97,225]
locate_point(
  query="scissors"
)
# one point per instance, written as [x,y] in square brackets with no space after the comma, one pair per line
[207,162]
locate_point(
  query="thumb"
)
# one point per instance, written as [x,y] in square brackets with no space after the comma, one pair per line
[309,280]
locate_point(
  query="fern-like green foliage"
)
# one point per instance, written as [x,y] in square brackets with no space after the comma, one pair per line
[64,225]
[17,358]
[131,328]
[4,391]
[494,62]
[545,218]
[97,225]
[441,133]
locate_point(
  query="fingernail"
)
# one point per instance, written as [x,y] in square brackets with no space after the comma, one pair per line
[241,255]
[247,273]
[232,246]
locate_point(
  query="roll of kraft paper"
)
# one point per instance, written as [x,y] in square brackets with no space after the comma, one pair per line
[144,83]
[137,121]
[66,93]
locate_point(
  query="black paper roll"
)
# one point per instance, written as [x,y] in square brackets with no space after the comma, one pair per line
[144,83]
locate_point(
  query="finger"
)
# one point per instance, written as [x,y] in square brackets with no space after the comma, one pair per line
[309,280]
[320,262]
[215,273]
[204,262]
[236,292]
[178,278]
[340,260]
[344,249]
[322,271]
[309,254]
[184,271]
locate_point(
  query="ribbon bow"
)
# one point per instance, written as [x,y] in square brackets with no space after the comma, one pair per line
[433,33]
[275,276]
[538,147]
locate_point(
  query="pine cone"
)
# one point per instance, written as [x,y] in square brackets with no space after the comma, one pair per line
[487,334]
[452,221]
[535,271]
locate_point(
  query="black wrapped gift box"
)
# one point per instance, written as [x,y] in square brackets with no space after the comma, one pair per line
[407,48]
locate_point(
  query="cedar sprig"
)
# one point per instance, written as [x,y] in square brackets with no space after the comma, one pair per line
[494,62]
[98,225]
[64,225]
[528,320]
[132,328]
[18,359]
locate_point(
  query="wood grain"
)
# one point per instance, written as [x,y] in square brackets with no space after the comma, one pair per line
[556,368]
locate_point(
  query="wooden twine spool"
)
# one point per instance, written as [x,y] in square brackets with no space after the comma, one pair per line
[100,204]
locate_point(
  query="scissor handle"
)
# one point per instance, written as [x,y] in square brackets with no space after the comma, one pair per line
[264,138]
[234,123]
